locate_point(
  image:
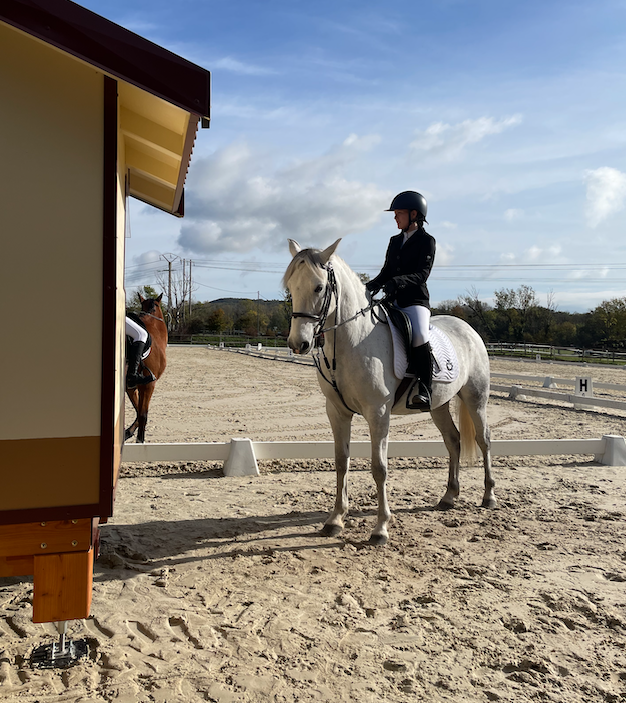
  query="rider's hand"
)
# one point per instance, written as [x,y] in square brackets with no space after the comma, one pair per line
[372,288]
[391,288]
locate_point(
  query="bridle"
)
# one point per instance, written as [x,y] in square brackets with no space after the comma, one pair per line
[149,314]
[160,319]
[320,329]
[331,289]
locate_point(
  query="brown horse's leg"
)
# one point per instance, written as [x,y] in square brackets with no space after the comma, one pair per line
[133,396]
[145,393]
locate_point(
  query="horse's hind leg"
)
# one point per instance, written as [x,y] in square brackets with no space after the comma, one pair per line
[133,396]
[340,422]
[478,412]
[452,439]
[145,394]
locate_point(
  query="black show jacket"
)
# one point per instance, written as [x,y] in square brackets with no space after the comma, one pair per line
[410,266]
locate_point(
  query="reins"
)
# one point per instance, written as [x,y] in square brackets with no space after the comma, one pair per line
[160,319]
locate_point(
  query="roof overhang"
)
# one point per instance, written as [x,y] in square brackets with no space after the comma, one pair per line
[162,96]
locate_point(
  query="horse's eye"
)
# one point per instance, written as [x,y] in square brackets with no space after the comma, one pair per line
[319,288]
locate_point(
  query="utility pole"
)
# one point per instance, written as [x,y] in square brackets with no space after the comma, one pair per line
[184,290]
[169,258]
[258,315]
[190,289]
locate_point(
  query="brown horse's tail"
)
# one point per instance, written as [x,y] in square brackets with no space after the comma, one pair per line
[469,448]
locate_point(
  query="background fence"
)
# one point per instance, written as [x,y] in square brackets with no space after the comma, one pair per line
[523,351]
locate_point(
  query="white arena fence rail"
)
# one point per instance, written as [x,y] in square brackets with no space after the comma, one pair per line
[552,381]
[518,393]
[240,455]
[515,391]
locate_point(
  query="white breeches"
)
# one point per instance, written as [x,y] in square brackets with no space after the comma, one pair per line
[136,331]
[420,322]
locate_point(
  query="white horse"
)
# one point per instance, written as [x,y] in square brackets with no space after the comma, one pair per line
[358,376]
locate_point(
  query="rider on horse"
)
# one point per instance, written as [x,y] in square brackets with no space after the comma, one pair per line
[408,262]
[139,337]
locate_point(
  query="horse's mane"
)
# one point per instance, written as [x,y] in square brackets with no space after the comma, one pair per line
[311,258]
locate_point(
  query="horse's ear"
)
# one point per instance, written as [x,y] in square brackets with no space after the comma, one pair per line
[159,298]
[294,247]
[328,252]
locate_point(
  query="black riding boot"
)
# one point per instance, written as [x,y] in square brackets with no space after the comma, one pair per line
[420,395]
[133,377]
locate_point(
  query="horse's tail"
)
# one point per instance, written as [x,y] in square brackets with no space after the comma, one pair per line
[469,448]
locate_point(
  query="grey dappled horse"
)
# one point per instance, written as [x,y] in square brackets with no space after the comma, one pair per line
[327,295]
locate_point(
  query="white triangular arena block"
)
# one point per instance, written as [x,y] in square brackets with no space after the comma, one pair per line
[614,451]
[241,460]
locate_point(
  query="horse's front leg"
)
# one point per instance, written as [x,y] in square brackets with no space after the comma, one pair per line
[133,396]
[142,414]
[379,434]
[341,424]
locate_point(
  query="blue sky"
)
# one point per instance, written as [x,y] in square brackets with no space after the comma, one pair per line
[509,117]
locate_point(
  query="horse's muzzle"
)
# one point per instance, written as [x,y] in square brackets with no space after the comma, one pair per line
[302,348]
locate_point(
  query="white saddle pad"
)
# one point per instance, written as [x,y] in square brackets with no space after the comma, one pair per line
[446,366]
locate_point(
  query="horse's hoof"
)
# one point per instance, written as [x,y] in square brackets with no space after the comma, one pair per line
[443,505]
[377,540]
[490,504]
[128,435]
[330,530]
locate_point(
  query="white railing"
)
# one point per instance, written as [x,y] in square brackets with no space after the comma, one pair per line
[551,381]
[610,449]
[518,392]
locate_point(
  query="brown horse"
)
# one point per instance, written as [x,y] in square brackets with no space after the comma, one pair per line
[152,318]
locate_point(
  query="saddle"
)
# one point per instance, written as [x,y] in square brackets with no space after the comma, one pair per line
[129,340]
[445,362]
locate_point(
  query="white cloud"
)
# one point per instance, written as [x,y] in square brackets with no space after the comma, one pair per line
[448,141]
[444,255]
[606,192]
[532,254]
[237,200]
[229,64]
[447,225]
[147,257]
[513,214]
[580,274]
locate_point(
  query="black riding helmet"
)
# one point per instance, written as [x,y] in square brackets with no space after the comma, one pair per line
[410,200]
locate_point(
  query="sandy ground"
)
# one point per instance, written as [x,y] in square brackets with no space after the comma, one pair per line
[221,589]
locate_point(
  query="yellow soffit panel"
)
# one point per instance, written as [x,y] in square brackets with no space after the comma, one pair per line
[155,135]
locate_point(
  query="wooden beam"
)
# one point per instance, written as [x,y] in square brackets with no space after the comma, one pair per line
[17,566]
[62,586]
[34,538]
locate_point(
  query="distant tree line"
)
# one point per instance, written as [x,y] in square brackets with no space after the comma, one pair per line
[516,316]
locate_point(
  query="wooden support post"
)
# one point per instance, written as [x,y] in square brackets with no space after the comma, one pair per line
[62,586]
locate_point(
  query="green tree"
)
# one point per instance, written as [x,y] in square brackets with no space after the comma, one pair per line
[133,304]
[218,321]
[608,324]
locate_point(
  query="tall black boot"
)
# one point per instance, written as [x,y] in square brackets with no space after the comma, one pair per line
[133,377]
[420,395]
